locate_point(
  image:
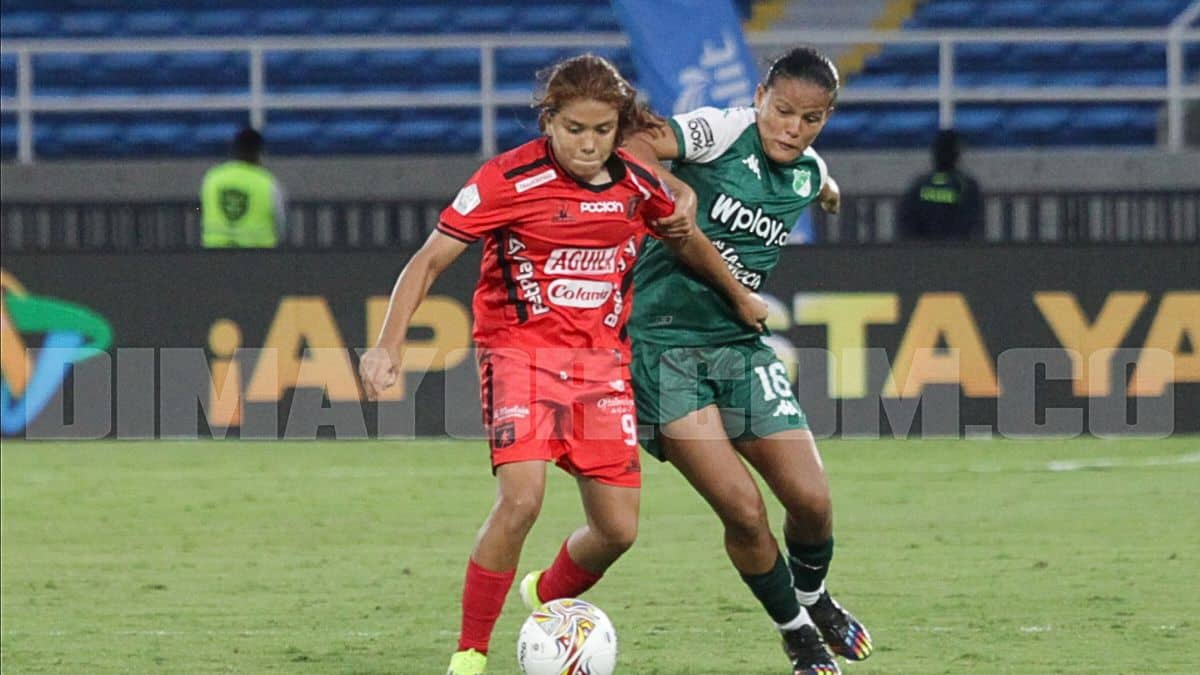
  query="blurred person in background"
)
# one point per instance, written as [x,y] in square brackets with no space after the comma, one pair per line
[944,204]
[562,218]
[242,204]
[712,391]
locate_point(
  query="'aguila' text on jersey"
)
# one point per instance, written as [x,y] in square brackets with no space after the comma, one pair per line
[746,204]
[557,252]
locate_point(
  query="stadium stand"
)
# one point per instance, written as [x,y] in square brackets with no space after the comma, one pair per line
[439,71]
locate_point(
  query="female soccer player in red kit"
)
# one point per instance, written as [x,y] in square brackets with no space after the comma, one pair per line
[561,218]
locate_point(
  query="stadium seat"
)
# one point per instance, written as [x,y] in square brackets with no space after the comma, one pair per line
[946,14]
[474,19]
[223,22]
[599,18]
[8,74]
[351,21]
[1147,12]
[417,19]
[1037,125]
[8,137]
[27,25]
[1081,13]
[550,18]
[153,24]
[285,21]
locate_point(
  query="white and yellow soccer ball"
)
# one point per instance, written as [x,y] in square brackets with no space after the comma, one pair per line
[567,637]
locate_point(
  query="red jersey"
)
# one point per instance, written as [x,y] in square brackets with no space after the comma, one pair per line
[557,252]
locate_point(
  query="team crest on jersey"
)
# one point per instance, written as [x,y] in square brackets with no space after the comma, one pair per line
[562,212]
[802,182]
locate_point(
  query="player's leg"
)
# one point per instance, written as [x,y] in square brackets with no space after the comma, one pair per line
[493,562]
[709,462]
[779,445]
[601,451]
[518,432]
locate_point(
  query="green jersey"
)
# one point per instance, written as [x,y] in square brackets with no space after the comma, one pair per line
[746,204]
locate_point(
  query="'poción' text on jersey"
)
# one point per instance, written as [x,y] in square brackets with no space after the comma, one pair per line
[746,204]
[557,251]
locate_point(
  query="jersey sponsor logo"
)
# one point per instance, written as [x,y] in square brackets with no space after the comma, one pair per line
[751,162]
[700,133]
[523,269]
[615,405]
[579,293]
[467,199]
[510,412]
[752,279]
[802,182]
[738,217]
[536,180]
[601,207]
[585,261]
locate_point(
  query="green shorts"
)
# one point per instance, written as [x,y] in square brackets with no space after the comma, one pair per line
[745,380]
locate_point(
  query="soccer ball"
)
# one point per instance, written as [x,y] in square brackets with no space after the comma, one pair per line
[567,637]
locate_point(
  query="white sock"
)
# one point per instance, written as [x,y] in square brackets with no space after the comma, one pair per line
[801,619]
[808,598]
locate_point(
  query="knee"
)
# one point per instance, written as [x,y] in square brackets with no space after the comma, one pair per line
[745,519]
[812,507]
[619,536]
[517,513]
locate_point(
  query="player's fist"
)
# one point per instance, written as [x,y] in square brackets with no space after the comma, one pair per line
[831,196]
[682,221]
[752,310]
[379,369]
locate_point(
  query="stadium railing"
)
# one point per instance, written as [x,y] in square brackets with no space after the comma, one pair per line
[258,101]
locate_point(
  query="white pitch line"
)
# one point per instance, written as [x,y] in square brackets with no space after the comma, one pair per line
[1109,463]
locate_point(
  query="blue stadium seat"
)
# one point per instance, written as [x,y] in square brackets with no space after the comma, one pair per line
[8,74]
[90,25]
[1014,13]
[285,21]
[1081,13]
[902,128]
[212,138]
[1037,125]
[215,72]
[515,68]
[904,58]
[351,21]
[8,137]
[946,14]
[155,138]
[980,125]
[974,56]
[221,22]
[455,66]
[396,69]
[560,18]
[27,25]
[153,24]
[1074,78]
[81,139]
[291,136]
[472,19]
[1148,12]
[1040,56]
[1154,77]
[418,19]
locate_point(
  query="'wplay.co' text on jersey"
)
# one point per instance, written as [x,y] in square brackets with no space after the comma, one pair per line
[557,252]
[746,204]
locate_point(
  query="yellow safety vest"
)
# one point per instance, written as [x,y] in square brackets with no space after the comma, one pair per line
[237,201]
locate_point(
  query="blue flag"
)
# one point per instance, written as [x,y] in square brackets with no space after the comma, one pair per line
[688,53]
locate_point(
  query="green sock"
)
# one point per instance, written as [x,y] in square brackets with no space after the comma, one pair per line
[774,590]
[810,564]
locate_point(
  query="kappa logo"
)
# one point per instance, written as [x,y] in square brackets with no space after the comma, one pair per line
[786,409]
[467,199]
[751,162]
[601,207]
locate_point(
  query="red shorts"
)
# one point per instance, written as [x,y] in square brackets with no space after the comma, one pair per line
[579,414]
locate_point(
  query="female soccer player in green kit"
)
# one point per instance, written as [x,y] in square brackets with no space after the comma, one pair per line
[707,385]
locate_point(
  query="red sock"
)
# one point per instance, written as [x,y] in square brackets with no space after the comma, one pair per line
[483,598]
[565,578]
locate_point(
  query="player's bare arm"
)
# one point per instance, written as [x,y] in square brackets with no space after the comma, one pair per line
[379,366]
[831,196]
[652,146]
[697,252]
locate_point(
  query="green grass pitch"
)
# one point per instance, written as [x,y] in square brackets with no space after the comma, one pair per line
[347,557]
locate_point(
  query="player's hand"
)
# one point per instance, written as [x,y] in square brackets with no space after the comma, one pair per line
[752,310]
[379,369]
[681,223]
[831,197]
